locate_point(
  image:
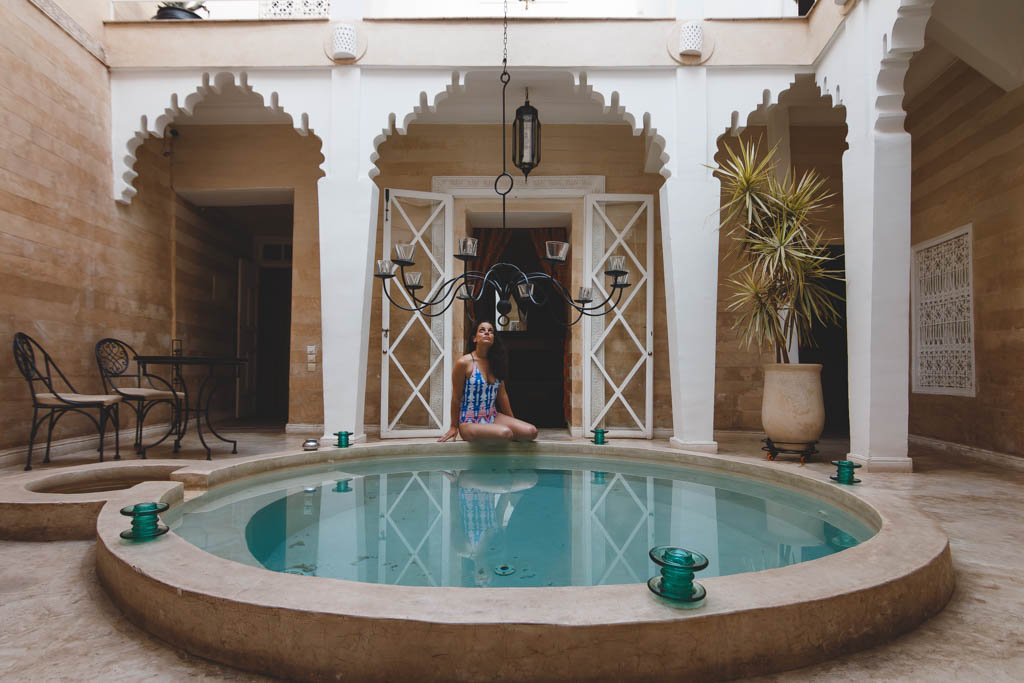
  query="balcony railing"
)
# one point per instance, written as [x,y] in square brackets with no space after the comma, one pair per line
[141,10]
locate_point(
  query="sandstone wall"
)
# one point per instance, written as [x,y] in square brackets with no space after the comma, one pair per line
[208,158]
[968,147]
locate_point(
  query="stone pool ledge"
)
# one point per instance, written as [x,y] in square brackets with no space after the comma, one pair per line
[42,505]
[309,628]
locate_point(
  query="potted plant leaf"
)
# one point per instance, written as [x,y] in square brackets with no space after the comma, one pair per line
[779,288]
[172,9]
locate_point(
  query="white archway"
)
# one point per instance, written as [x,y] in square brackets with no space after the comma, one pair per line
[145,103]
[348,197]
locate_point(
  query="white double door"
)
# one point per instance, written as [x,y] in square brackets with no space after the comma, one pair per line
[618,348]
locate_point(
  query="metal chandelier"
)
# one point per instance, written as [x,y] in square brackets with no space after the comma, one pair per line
[505,280]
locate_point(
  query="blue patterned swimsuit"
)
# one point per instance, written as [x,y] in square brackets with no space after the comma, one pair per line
[479,398]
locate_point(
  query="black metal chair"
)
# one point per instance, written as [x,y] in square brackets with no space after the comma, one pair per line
[53,397]
[114,358]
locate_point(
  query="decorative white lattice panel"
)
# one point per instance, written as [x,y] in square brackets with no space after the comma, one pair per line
[943,314]
[294,9]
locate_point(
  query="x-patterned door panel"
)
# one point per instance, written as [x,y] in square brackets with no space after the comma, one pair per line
[619,347]
[416,363]
[618,528]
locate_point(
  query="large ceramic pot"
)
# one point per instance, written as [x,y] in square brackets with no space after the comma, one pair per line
[792,409]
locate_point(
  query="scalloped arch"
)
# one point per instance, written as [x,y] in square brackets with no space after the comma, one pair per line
[154,122]
[769,97]
[903,36]
[752,97]
[898,46]
[580,86]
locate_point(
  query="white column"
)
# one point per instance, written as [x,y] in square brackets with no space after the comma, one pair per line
[876,216]
[364,107]
[689,230]
[348,226]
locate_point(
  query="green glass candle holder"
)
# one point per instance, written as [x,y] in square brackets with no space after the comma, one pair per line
[342,439]
[599,436]
[844,472]
[676,583]
[600,478]
[343,486]
[145,524]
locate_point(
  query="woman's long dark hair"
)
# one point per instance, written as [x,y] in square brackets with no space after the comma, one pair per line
[497,355]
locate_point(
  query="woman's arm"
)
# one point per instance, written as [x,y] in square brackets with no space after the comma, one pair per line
[504,406]
[458,386]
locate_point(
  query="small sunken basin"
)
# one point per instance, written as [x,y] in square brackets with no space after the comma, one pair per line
[455,588]
[63,503]
[98,486]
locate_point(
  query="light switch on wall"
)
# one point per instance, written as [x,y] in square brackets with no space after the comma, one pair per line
[310,367]
[311,348]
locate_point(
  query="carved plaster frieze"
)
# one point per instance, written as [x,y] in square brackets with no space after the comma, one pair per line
[65,21]
[476,186]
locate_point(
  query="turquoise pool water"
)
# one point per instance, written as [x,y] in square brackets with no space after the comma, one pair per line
[509,521]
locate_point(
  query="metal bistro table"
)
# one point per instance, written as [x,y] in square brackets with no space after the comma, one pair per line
[201,409]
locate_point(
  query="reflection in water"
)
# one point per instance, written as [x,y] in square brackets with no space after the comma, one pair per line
[513,527]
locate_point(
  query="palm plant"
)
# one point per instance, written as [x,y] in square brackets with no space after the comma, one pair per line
[780,288]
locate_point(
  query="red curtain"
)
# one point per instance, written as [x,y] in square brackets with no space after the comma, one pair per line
[561,273]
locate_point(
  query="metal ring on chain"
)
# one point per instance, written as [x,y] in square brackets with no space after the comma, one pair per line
[504,174]
[503,320]
[505,77]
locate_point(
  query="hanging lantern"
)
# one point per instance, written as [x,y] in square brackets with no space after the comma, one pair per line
[526,138]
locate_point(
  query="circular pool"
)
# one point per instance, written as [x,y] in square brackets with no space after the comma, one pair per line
[510,521]
[831,570]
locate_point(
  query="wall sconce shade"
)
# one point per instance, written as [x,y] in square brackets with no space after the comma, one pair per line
[691,39]
[343,42]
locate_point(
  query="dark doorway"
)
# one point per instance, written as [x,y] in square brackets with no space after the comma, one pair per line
[830,350]
[273,341]
[536,355]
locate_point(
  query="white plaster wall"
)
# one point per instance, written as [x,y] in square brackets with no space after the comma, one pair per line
[594,9]
[749,9]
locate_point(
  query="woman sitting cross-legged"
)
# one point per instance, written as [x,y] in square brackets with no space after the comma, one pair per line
[480,406]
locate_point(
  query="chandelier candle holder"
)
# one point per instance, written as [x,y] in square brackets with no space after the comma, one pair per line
[676,583]
[505,281]
[145,523]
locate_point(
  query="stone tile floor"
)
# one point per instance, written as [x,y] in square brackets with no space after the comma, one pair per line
[57,624]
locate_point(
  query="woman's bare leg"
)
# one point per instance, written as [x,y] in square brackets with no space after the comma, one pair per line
[521,431]
[482,432]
